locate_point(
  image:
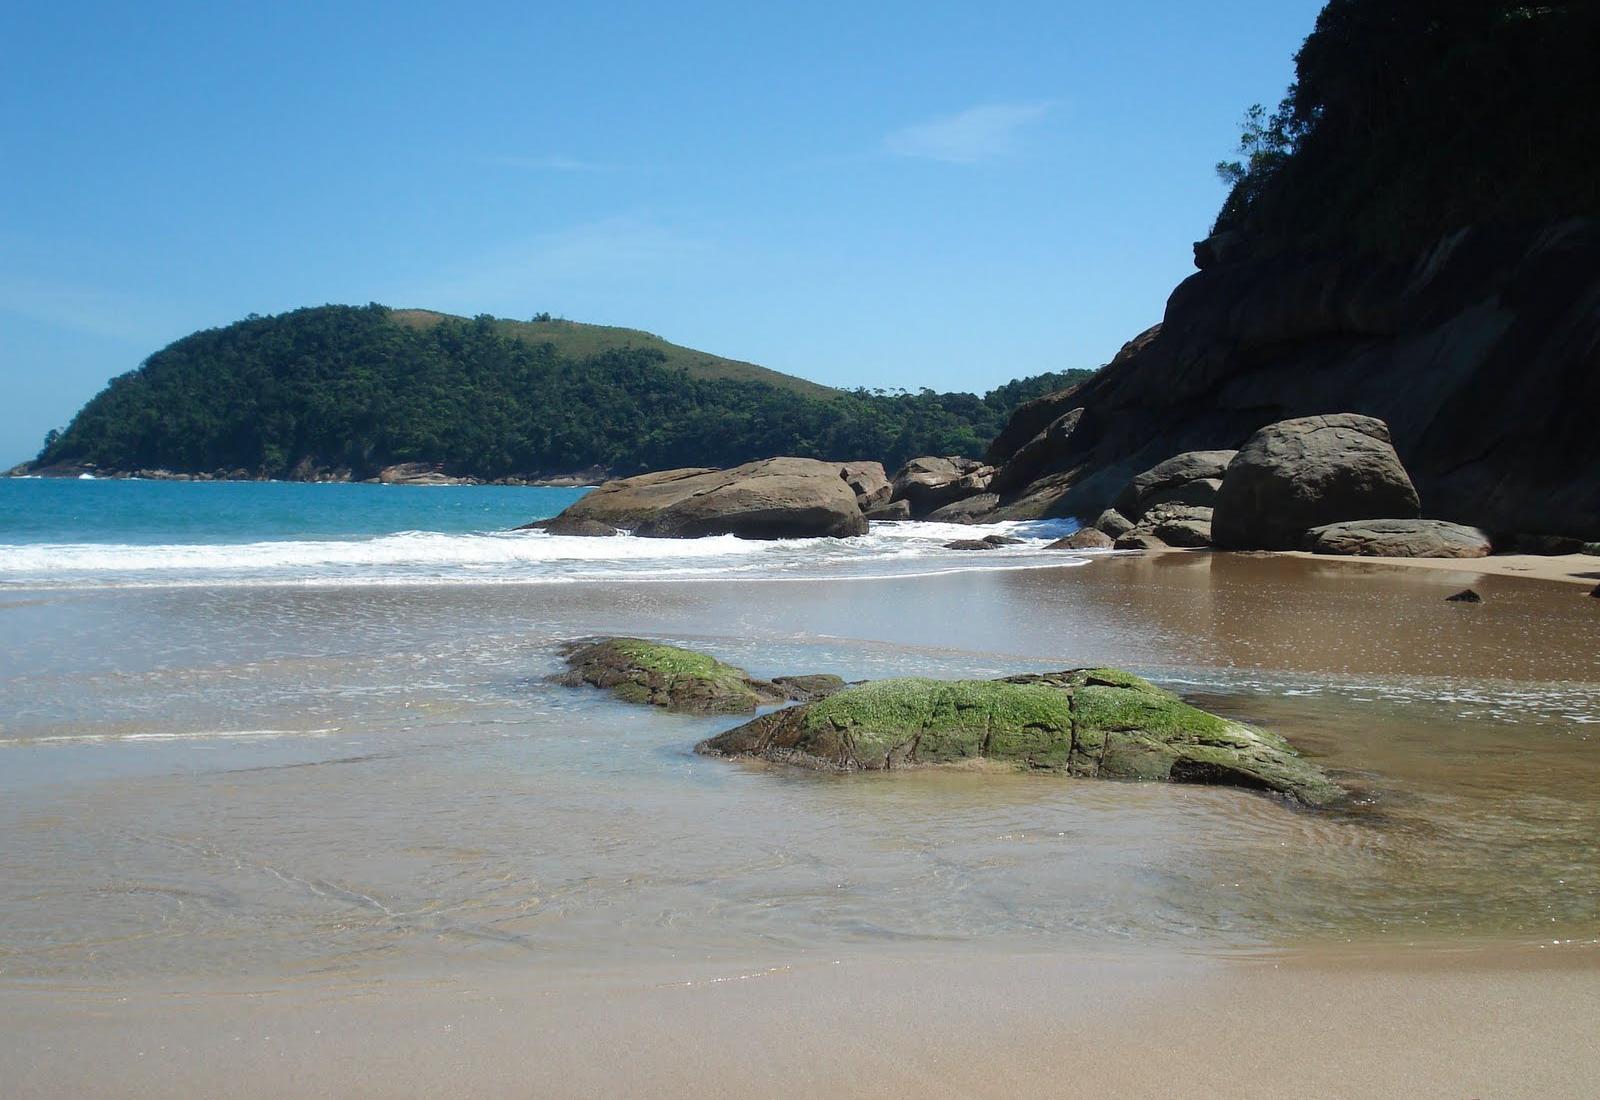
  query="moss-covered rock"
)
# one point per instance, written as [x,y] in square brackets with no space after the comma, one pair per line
[639,671]
[1094,723]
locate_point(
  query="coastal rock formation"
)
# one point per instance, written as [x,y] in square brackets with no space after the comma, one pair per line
[1398,538]
[988,542]
[777,498]
[1113,523]
[895,510]
[416,473]
[1093,723]
[869,482]
[1482,355]
[929,483]
[1193,477]
[1298,474]
[639,671]
[972,509]
[571,525]
[1140,539]
[1087,539]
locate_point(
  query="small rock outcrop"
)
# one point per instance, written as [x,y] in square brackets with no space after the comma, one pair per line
[640,671]
[868,482]
[777,498]
[929,483]
[1398,538]
[1314,470]
[895,510]
[1091,723]
[1466,595]
[988,542]
[1140,539]
[1192,478]
[1113,523]
[1087,539]
[973,509]
[568,525]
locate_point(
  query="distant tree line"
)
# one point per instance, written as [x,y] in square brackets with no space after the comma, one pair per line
[341,387]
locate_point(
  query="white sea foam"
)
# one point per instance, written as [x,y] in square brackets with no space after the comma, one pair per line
[891,549]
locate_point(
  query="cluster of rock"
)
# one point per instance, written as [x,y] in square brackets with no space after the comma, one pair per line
[1095,723]
[1481,355]
[1328,484]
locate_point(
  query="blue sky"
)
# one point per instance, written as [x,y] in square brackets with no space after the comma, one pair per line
[894,194]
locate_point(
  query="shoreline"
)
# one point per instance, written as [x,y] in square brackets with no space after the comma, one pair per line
[1569,569]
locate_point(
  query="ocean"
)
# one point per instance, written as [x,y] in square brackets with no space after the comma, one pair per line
[72,533]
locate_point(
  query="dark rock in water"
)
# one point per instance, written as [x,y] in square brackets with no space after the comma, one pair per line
[1140,539]
[1398,538]
[777,498]
[970,544]
[639,671]
[1298,474]
[1596,591]
[1092,723]
[1113,523]
[970,510]
[897,510]
[1002,540]
[1086,539]
[1479,353]
[1466,595]
[807,689]
[567,525]
[929,483]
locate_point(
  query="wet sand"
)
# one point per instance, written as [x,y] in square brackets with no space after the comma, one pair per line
[427,873]
[1577,569]
[1329,1025]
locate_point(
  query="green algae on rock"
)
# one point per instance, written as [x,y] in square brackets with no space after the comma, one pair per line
[639,671]
[1093,723]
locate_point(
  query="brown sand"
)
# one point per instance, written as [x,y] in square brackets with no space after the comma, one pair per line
[1565,568]
[1394,1023]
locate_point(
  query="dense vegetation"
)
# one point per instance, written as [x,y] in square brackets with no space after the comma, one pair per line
[340,388]
[1408,120]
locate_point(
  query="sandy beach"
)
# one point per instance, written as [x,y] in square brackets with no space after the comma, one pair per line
[1334,1024]
[349,841]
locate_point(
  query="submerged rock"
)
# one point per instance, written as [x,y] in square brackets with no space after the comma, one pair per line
[1466,595]
[640,671]
[1092,723]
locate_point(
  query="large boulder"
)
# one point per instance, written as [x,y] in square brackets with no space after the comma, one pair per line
[1398,538]
[773,499]
[929,483]
[1298,474]
[1092,723]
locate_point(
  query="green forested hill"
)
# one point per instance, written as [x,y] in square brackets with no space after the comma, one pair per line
[343,388]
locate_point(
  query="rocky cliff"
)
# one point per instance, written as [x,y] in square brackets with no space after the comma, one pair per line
[1482,355]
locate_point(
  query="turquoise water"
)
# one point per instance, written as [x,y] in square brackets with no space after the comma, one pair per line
[62,533]
[146,513]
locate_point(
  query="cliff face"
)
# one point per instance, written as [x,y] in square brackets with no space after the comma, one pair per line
[1483,356]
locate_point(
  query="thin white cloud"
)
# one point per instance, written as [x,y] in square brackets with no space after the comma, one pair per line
[132,318]
[553,162]
[967,137]
[610,253]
